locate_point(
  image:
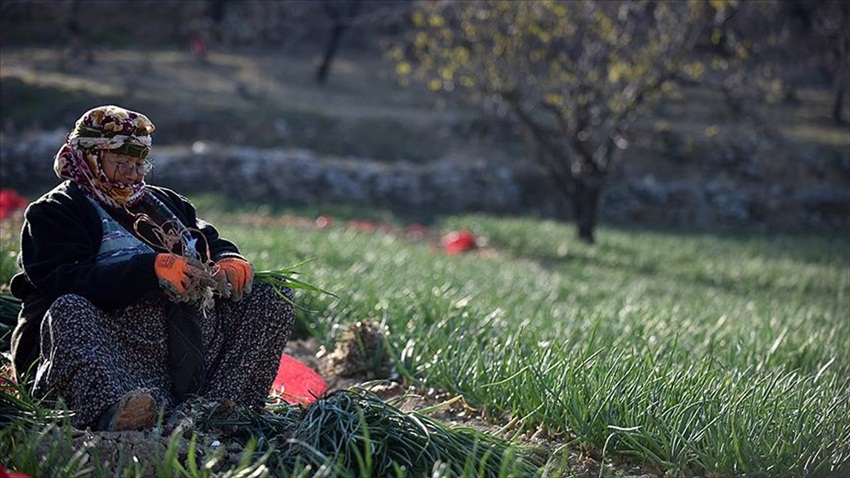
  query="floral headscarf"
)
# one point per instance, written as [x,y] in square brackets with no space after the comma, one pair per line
[103,129]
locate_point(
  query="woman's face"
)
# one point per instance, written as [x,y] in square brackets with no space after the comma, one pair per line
[124,169]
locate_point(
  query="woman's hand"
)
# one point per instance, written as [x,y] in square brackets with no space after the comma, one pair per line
[178,275]
[240,276]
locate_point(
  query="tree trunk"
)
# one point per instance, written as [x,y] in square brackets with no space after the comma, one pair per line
[330,51]
[586,193]
[341,21]
[839,90]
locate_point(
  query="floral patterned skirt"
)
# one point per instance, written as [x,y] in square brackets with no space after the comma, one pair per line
[91,358]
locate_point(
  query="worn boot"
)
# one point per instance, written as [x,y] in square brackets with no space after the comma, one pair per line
[135,411]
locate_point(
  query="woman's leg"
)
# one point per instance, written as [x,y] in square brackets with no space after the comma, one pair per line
[244,353]
[91,359]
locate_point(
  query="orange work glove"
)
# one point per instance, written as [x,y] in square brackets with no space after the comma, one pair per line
[175,273]
[240,276]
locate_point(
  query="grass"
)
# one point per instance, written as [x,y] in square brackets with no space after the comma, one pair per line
[721,355]
[729,353]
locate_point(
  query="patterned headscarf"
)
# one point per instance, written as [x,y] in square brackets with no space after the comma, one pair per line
[105,128]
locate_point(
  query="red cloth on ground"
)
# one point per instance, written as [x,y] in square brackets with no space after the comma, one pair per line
[296,382]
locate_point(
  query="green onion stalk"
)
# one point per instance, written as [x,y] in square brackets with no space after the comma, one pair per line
[281,279]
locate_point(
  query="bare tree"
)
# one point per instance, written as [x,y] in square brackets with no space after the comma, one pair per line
[575,75]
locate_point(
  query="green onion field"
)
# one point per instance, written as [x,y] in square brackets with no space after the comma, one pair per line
[696,354]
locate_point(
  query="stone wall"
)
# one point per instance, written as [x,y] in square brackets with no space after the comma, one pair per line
[451,186]
[299,176]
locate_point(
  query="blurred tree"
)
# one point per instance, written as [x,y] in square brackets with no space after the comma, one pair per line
[818,34]
[574,75]
[78,46]
[217,9]
[366,16]
[341,13]
[832,24]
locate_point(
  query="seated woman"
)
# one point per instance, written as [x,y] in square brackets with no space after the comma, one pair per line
[131,304]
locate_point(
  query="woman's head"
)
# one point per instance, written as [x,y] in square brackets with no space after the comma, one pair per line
[105,154]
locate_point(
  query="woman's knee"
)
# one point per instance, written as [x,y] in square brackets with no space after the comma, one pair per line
[68,318]
[267,294]
[70,303]
[276,302]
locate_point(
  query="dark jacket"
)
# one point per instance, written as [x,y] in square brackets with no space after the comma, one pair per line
[60,239]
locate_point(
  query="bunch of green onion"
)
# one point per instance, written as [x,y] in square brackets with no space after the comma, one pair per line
[355,433]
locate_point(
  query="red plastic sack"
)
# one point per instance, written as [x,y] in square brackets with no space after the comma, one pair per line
[4,473]
[296,382]
[458,242]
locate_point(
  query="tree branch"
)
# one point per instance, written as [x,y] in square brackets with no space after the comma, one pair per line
[552,158]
